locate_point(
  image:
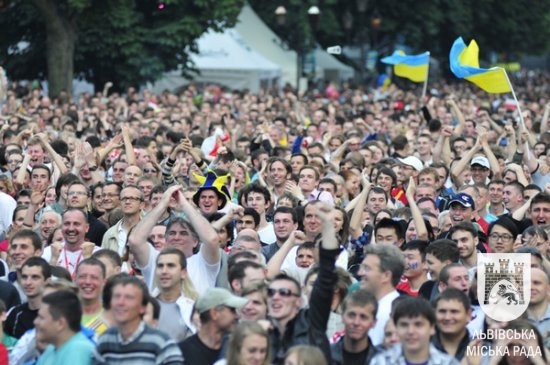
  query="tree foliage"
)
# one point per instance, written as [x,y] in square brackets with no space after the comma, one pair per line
[124,41]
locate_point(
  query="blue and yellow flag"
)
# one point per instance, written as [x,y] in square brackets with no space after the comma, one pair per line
[415,68]
[465,65]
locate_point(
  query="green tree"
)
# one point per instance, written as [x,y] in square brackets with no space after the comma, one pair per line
[125,41]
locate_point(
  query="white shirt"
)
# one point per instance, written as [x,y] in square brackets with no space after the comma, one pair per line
[267,234]
[202,274]
[7,206]
[376,333]
[67,259]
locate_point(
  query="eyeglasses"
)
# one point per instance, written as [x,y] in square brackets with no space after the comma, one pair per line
[77,193]
[284,292]
[504,237]
[149,171]
[130,198]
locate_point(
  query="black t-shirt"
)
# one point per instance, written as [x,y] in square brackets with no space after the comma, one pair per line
[20,320]
[196,352]
[354,358]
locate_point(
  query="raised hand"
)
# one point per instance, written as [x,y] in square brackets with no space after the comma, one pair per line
[56,248]
[79,157]
[87,249]
[447,131]
[411,188]
[38,196]
[298,237]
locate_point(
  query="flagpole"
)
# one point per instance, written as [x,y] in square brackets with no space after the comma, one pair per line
[522,122]
[425,87]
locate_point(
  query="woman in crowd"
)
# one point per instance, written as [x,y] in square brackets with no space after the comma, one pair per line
[248,345]
[304,355]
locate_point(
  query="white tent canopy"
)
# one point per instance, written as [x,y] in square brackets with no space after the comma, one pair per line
[260,37]
[225,59]
[250,56]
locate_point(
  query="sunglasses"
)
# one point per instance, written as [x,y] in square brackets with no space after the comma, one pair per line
[284,292]
[148,171]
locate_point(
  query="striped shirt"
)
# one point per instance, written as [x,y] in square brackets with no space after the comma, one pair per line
[147,346]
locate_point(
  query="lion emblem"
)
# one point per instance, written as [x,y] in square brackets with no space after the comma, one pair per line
[506,292]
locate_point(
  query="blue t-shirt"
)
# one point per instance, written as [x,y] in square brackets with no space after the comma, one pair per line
[77,351]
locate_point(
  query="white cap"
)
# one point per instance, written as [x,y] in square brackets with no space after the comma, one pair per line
[412,161]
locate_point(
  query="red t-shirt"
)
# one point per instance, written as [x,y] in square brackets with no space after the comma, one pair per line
[405,286]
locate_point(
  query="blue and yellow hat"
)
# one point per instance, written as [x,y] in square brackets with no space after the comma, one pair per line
[212,182]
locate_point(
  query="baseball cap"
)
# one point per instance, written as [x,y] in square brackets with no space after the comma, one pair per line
[480,160]
[214,297]
[412,161]
[463,199]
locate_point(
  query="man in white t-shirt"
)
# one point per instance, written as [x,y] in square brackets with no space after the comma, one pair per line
[75,247]
[188,235]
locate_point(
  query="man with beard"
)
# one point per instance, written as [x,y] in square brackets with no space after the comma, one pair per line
[284,223]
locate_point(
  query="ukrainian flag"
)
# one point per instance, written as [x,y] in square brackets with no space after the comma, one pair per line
[415,68]
[464,62]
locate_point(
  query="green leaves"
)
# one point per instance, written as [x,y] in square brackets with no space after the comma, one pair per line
[128,42]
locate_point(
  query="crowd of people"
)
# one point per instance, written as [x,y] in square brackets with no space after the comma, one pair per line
[342,226]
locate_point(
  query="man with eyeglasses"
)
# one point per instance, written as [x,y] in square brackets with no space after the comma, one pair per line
[110,199]
[131,198]
[217,309]
[78,198]
[502,235]
[293,325]
[146,184]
